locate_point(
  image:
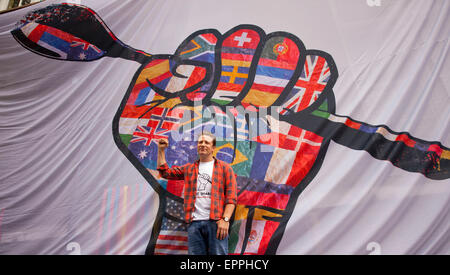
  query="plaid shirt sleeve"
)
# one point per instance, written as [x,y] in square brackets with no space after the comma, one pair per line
[230,186]
[174,173]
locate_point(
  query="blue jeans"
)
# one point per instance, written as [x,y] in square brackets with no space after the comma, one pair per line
[202,239]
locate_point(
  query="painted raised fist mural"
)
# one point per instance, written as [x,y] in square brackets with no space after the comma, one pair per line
[266,97]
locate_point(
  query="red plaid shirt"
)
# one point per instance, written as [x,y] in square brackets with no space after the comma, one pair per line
[223,188]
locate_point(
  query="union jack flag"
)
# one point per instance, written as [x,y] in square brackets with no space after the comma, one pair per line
[147,134]
[85,45]
[309,86]
[161,122]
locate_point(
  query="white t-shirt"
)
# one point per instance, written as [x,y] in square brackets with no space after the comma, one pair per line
[203,195]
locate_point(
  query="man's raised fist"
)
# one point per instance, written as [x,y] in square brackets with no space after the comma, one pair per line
[163,143]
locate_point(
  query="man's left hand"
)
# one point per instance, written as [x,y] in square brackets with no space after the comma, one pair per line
[222,229]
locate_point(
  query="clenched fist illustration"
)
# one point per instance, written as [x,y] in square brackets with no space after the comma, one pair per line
[267,99]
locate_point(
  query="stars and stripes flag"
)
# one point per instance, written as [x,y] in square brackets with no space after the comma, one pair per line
[172,239]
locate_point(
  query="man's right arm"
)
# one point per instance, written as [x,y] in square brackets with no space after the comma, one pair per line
[162,145]
[174,173]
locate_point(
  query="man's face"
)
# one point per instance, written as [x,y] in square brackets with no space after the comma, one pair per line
[205,146]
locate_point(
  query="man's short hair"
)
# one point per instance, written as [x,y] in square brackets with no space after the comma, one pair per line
[209,134]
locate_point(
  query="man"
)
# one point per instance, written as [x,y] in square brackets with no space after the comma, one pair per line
[210,196]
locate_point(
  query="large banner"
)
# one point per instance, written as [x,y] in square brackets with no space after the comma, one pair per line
[334,116]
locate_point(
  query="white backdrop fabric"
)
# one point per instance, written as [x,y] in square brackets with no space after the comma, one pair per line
[65,187]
